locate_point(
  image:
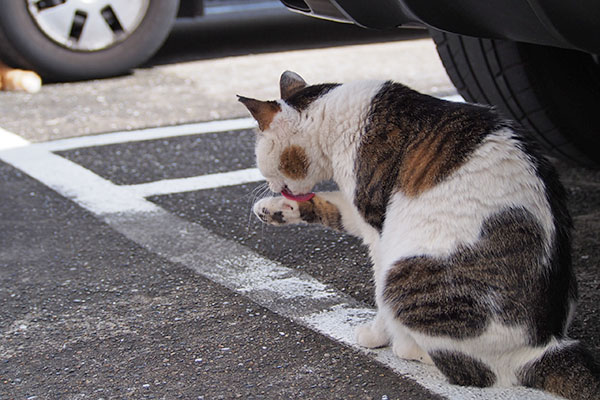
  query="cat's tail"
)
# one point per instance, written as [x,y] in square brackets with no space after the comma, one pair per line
[567,370]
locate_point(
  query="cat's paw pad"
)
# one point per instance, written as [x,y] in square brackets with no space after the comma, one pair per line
[277,211]
[370,336]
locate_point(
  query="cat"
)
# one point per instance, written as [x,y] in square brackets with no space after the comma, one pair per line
[18,79]
[466,225]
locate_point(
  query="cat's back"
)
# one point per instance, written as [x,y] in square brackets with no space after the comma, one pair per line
[472,199]
[448,168]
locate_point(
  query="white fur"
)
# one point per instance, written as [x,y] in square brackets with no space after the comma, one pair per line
[504,349]
[497,176]
[343,113]
[451,213]
[289,209]
[328,129]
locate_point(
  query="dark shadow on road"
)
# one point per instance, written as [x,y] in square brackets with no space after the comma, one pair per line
[273,31]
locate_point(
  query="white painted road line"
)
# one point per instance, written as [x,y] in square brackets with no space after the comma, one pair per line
[9,140]
[75,182]
[306,300]
[101,196]
[285,291]
[163,132]
[212,181]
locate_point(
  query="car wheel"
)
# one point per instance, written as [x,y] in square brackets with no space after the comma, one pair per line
[82,39]
[552,92]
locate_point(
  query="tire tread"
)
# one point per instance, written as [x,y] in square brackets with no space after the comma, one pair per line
[496,73]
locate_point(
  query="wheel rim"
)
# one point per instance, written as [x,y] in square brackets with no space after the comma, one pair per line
[87,25]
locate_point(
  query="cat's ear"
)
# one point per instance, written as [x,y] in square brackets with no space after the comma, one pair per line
[262,111]
[289,83]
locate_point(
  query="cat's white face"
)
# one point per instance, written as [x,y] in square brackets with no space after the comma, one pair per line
[287,150]
[287,156]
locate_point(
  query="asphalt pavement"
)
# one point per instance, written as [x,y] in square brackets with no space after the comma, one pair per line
[88,313]
[130,263]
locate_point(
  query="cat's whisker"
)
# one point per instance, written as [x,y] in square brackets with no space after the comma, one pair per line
[256,194]
[258,191]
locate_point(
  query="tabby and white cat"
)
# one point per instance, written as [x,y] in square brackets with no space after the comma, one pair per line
[465,222]
[18,79]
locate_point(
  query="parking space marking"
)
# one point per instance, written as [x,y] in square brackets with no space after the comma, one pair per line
[266,282]
[9,140]
[139,135]
[75,182]
[202,182]
[224,261]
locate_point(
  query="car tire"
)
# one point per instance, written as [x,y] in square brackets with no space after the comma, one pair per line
[552,92]
[24,44]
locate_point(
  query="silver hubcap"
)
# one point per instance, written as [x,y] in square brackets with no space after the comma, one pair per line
[88,25]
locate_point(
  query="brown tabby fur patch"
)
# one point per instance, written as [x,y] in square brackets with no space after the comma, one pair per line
[426,162]
[412,142]
[319,210]
[451,296]
[463,370]
[293,162]
[570,372]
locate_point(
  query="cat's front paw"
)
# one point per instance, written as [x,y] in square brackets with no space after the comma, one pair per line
[277,211]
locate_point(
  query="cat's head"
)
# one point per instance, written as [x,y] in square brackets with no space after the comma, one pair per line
[287,150]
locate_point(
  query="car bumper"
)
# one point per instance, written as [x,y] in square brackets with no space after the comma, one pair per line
[571,24]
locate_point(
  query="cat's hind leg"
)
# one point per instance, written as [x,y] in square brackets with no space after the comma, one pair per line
[382,332]
[404,346]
